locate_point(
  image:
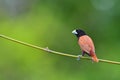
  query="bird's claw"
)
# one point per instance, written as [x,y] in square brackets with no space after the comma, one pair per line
[78,58]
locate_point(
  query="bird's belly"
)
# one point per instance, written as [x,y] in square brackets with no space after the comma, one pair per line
[85,48]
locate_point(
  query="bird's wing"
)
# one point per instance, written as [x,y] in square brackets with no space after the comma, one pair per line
[86,44]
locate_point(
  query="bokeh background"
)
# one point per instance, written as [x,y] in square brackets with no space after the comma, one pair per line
[48,23]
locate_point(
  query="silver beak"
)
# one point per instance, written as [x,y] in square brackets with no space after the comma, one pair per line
[74,32]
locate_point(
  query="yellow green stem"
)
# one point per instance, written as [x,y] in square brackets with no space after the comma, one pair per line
[55,52]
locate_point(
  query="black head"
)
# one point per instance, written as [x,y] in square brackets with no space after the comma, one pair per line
[78,32]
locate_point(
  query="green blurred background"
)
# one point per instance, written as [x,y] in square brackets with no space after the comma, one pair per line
[48,23]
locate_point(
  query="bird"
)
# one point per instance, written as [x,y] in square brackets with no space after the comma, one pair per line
[86,44]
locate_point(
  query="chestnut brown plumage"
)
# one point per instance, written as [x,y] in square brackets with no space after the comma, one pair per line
[86,44]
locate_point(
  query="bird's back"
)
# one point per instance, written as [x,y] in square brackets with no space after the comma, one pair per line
[86,44]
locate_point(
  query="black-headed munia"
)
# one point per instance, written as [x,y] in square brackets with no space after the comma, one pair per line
[86,44]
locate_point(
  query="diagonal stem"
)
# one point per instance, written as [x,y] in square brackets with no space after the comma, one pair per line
[55,52]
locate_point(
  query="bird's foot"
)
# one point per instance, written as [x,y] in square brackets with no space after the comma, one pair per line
[78,58]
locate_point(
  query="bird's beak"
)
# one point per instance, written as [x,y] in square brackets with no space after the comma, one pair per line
[74,32]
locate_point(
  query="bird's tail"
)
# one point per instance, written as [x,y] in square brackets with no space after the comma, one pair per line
[95,59]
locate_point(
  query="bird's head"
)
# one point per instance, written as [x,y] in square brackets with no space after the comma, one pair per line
[78,32]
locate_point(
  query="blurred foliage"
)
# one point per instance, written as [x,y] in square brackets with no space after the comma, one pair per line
[48,23]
